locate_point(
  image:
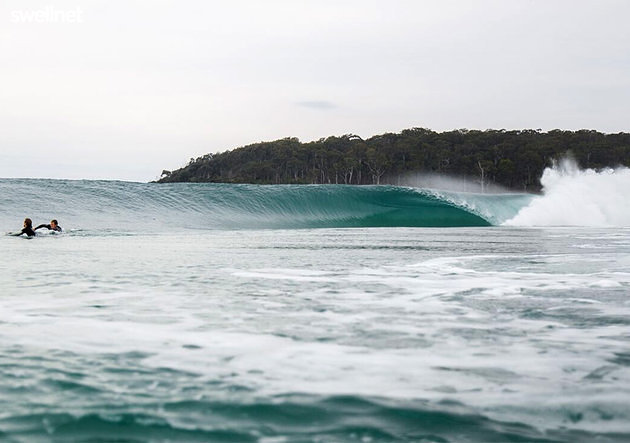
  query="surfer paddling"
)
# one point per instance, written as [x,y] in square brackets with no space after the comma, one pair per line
[53,226]
[28,229]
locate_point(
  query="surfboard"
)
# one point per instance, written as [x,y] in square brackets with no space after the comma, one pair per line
[19,234]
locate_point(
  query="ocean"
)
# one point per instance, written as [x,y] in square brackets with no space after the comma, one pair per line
[243,313]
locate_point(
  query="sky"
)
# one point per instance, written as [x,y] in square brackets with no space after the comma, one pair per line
[121,90]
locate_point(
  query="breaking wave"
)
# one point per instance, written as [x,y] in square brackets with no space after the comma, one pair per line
[574,197]
[130,207]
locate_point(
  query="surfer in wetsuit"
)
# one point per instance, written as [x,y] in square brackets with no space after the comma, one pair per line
[53,226]
[28,228]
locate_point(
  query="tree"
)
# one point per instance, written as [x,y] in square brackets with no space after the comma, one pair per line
[511,158]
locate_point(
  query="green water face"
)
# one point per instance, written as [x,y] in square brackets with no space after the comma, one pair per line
[133,207]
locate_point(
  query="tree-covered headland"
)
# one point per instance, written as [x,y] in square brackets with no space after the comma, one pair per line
[513,159]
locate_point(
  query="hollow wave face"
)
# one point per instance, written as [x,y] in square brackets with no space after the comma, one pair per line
[574,197]
[125,206]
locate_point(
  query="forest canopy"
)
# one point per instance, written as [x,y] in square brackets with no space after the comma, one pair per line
[513,159]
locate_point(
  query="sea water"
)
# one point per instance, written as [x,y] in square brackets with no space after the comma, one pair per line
[201,312]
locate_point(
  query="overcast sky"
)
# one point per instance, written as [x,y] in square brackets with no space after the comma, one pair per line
[123,89]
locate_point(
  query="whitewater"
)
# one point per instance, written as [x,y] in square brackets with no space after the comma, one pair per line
[323,313]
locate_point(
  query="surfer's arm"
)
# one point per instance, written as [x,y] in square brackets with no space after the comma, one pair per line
[17,234]
[42,226]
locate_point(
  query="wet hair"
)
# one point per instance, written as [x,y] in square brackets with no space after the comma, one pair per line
[54,221]
[28,222]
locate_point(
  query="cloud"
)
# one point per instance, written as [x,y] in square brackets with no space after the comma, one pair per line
[317,104]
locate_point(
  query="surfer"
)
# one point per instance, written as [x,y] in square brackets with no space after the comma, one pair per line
[53,226]
[28,228]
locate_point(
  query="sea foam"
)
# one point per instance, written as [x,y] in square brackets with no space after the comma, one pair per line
[575,197]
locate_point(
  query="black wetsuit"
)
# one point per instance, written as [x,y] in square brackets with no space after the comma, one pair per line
[28,231]
[50,228]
